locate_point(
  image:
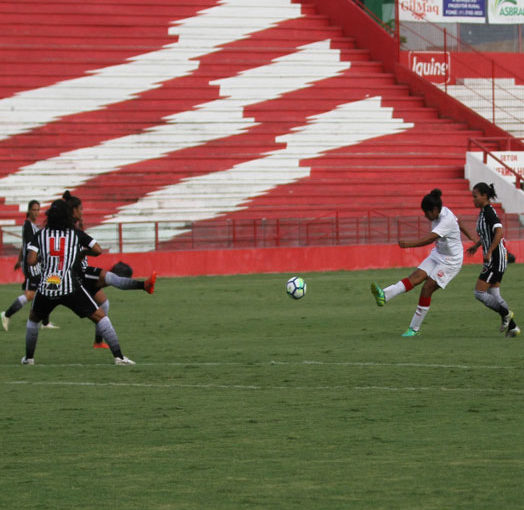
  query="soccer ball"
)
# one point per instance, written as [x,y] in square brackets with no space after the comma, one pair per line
[296,287]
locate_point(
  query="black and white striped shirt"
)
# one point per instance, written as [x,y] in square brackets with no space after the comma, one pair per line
[28,232]
[59,251]
[487,223]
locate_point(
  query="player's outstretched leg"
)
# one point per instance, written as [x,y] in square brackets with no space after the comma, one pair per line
[125,283]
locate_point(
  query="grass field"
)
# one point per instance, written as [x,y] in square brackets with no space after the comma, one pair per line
[245,399]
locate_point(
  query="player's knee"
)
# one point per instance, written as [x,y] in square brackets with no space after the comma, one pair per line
[481,295]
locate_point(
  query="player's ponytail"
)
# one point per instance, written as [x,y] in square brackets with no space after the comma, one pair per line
[71,200]
[486,189]
[432,200]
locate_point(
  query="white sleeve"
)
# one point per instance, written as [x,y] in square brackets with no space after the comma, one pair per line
[444,227]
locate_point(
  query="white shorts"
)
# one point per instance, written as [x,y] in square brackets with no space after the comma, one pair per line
[440,268]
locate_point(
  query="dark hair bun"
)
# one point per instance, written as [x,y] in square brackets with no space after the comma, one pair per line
[66,195]
[436,193]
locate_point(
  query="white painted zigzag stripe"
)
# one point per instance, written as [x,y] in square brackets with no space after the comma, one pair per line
[33,108]
[181,131]
[208,196]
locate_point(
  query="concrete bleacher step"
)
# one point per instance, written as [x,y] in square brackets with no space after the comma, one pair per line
[351,175]
[478,94]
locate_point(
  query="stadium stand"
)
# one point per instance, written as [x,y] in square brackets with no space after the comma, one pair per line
[194,112]
[510,96]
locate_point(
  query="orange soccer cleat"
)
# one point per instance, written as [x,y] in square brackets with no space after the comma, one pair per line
[149,284]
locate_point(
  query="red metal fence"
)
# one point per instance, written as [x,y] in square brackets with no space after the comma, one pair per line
[335,230]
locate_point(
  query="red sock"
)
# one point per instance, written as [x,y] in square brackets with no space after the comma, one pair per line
[407,284]
[424,301]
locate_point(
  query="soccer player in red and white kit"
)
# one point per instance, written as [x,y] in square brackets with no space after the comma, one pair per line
[495,257]
[438,269]
[62,248]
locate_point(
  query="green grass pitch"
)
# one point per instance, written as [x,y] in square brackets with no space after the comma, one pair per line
[243,398]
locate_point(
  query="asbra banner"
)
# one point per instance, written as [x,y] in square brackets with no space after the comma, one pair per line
[506,11]
[441,11]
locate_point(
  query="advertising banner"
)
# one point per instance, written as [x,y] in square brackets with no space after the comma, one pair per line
[514,159]
[442,11]
[506,11]
[433,66]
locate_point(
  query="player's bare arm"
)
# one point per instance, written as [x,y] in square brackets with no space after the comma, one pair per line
[94,251]
[499,234]
[467,233]
[32,257]
[424,241]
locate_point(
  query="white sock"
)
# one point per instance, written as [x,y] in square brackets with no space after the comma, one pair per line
[394,290]
[418,317]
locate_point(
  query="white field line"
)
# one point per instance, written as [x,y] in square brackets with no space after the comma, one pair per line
[247,364]
[414,389]
[113,84]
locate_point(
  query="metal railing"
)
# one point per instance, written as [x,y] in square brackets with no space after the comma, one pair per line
[485,82]
[486,144]
[373,227]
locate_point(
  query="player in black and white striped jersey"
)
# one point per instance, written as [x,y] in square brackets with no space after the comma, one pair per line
[96,278]
[31,273]
[62,248]
[495,257]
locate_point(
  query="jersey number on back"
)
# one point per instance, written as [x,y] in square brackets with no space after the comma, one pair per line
[57,249]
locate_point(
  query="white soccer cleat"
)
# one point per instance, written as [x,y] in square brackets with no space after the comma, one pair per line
[505,321]
[49,325]
[511,333]
[124,361]
[27,361]
[5,321]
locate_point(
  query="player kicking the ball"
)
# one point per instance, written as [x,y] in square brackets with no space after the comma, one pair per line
[438,269]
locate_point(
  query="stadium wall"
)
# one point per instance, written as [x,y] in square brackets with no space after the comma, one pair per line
[262,260]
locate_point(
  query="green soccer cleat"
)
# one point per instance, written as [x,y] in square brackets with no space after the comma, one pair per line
[410,332]
[379,294]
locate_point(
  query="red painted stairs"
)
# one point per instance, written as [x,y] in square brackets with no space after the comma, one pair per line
[383,175]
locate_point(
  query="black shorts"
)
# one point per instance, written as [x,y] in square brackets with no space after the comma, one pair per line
[79,302]
[31,283]
[90,279]
[490,275]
